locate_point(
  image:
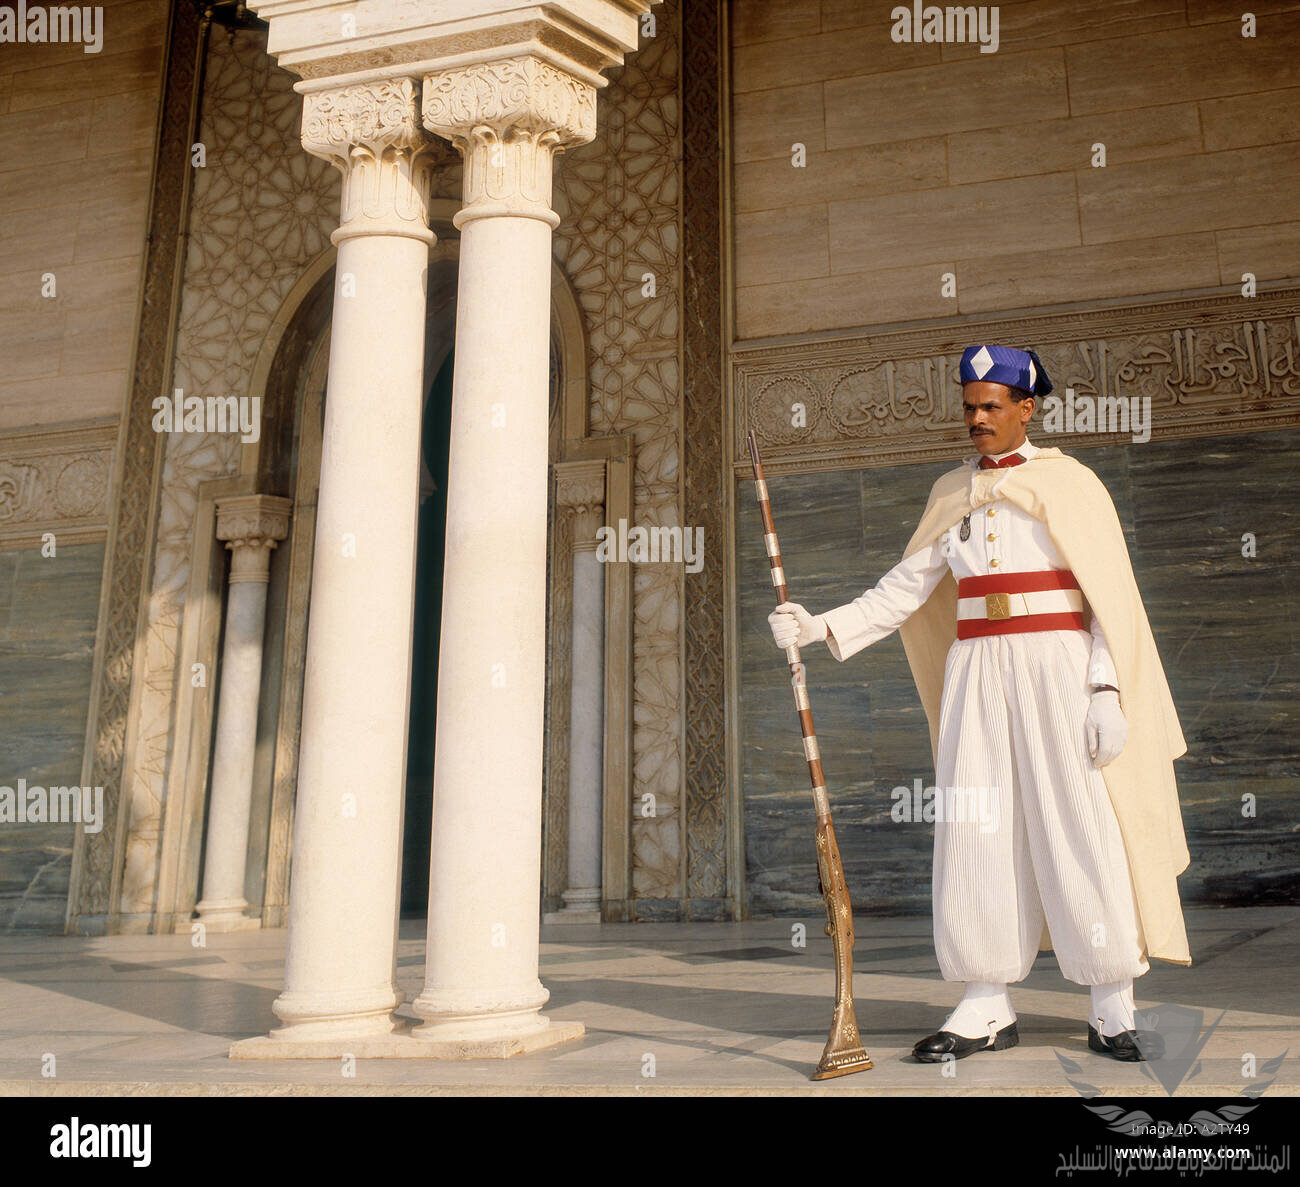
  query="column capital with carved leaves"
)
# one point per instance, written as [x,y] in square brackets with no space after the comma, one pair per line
[508,118]
[251,526]
[580,490]
[371,133]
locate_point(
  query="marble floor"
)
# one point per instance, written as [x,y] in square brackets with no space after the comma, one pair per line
[703,1008]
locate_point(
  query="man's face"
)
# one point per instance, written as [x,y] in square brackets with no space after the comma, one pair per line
[995,421]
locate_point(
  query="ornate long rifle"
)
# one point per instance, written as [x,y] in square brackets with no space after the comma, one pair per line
[844,1052]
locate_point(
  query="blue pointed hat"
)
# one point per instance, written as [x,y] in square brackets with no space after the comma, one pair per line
[1004,364]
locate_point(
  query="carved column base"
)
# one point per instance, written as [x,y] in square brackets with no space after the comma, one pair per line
[219,918]
[581,907]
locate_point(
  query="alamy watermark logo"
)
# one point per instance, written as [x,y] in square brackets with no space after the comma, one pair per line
[1098,414]
[52,805]
[180,413]
[947,805]
[102,1139]
[955,24]
[639,545]
[38,23]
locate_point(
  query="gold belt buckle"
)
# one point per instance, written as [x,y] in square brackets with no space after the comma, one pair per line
[997,606]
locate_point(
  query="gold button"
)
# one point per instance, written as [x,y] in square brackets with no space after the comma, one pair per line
[994,562]
[993,536]
[992,513]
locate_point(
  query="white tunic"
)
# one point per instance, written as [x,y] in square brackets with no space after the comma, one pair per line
[1003,539]
[1012,724]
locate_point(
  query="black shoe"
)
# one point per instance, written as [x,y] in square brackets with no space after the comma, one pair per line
[945,1044]
[1132,1046]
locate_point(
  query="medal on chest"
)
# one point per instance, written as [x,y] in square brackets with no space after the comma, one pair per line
[965,528]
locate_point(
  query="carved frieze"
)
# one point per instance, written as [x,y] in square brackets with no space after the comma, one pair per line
[1220,364]
[55,481]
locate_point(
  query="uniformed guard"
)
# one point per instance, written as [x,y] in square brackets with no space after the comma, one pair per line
[1035,662]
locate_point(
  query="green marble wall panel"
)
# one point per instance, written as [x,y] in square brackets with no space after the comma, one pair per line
[1226,627]
[48,609]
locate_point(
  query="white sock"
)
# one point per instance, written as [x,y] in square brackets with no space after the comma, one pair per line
[985,1008]
[1112,1007]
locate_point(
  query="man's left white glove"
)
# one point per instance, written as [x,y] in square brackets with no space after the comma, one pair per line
[1105,727]
[792,624]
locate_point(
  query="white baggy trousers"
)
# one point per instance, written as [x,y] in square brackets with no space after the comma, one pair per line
[1012,721]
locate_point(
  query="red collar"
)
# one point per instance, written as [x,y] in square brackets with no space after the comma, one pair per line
[1012,459]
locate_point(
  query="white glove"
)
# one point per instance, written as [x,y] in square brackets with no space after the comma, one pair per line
[792,625]
[1105,727]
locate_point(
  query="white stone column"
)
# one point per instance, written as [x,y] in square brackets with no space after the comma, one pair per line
[482,991]
[340,987]
[580,491]
[251,526]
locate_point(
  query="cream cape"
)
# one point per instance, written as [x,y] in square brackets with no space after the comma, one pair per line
[1081,519]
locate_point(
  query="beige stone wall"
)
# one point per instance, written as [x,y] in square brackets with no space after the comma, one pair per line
[76,153]
[925,159]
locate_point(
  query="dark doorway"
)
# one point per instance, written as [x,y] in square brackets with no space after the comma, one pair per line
[417,830]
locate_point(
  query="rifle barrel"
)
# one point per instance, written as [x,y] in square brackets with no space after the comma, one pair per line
[812,752]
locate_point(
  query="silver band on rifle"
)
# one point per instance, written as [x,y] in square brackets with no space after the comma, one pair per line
[811,749]
[760,487]
[820,801]
[778,575]
[801,696]
[769,539]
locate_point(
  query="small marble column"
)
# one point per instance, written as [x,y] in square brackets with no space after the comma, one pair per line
[251,526]
[340,985]
[507,117]
[580,490]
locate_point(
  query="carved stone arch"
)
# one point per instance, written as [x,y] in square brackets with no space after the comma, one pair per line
[304,316]
[288,376]
[281,363]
